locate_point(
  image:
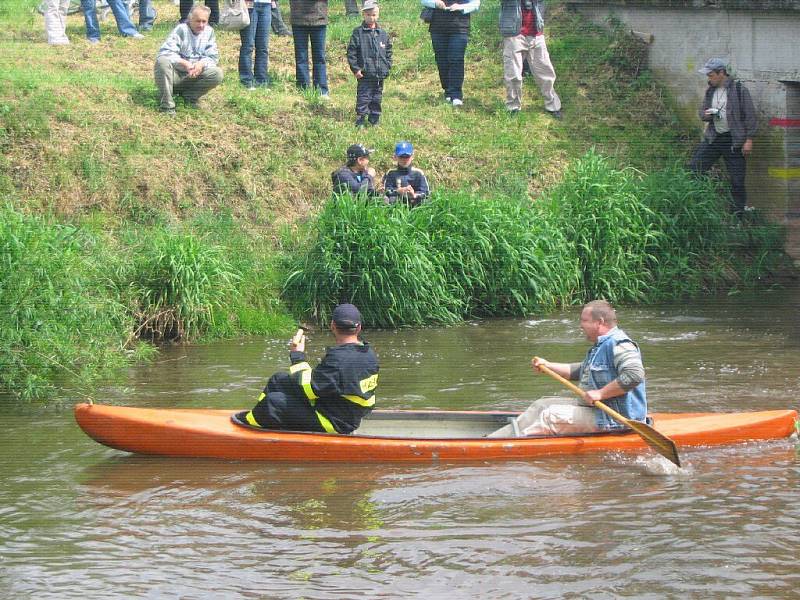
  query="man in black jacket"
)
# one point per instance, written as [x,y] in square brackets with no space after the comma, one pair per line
[369,55]
[731,124]
[331,398]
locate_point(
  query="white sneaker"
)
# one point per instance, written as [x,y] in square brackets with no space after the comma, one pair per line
[137,36]
[458,102]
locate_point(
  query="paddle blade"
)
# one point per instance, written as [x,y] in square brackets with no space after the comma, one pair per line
[657,441]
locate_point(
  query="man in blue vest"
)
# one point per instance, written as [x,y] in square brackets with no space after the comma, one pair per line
[612,372]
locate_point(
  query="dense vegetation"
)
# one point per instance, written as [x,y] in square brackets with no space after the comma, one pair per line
[603,232]
[120,226]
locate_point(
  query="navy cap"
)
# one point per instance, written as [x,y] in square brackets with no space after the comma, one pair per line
[713,64]
[346,315]
[357,151]
[403,149]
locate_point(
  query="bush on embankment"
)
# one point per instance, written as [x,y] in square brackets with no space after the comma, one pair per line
[602,232]
[76,299]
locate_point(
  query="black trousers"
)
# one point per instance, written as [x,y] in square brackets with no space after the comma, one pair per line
[284,407]
[186,6]
[705,155]
[369,94]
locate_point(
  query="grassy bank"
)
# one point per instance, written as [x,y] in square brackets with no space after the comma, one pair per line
[188,228]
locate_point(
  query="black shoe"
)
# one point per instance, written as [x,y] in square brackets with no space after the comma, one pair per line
[373,119]
[360,121]
[556,114]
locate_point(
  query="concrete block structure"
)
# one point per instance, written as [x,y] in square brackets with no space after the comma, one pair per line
[761,41]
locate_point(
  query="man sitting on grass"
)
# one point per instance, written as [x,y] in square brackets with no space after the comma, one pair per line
[186,64]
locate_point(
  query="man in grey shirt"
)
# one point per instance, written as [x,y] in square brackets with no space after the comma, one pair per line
[612,372]
[186,64]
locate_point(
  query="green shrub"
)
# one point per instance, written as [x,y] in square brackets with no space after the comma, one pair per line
[178,282]
[59,317]
[598,209]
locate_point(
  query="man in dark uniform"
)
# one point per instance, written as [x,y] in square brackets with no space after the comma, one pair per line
[355,177]
[334,396]
[405,183]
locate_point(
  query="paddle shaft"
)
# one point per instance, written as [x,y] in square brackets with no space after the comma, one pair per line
[658,441]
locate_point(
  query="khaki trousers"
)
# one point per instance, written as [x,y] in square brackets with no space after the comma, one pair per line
[55,21]
[515,50]
[170,81]
[552,416]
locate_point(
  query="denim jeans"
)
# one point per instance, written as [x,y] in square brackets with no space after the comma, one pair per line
[302,34]
[120,10]
[449,49]
[146,15]
[256,34]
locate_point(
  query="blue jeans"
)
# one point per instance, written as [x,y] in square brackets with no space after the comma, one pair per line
[449,49]
[256,34]
[146,15]
[302,34]
[120,10]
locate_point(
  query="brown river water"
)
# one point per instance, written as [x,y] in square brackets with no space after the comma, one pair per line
[78,520]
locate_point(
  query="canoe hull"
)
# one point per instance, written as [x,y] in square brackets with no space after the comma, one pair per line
[210,433]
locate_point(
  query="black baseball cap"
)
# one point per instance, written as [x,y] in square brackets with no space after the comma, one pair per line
[347,316]
[356,151]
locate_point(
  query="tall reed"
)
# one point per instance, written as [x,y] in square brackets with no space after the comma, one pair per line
[59,315]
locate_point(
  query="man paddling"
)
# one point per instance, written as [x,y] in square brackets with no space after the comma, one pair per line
[331,398]
[612,372]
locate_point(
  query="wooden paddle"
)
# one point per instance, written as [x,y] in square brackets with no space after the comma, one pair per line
[657,441]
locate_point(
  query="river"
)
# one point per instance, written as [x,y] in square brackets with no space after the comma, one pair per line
[78,520]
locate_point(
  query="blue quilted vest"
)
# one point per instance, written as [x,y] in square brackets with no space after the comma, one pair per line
[600,363]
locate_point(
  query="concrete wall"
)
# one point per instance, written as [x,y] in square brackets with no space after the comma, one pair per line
[761,41]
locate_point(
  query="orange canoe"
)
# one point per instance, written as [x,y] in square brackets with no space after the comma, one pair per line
[388,435]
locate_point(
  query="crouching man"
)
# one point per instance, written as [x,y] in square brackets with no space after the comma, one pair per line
[186,64]
[331,398]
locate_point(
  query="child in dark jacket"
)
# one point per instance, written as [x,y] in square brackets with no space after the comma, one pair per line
[369,55]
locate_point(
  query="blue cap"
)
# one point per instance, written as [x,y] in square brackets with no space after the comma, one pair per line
[403,149]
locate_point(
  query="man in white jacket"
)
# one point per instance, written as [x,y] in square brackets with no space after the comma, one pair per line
[186,64]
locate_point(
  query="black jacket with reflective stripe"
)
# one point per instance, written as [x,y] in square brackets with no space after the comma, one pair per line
[342,387]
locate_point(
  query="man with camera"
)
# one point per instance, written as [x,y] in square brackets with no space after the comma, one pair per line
[731,124]
[522,28]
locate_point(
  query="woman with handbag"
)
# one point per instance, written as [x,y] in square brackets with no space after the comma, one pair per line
[255,35]
[449,29]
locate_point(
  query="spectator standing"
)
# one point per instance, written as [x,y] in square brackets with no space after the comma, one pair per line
[186,64]
[147,15]
[120,10]
[309,19]
[369,55]
[279,27]
[405,183]
[449,29]
[256,34]
[522,28]
[55,22]
[731,125]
